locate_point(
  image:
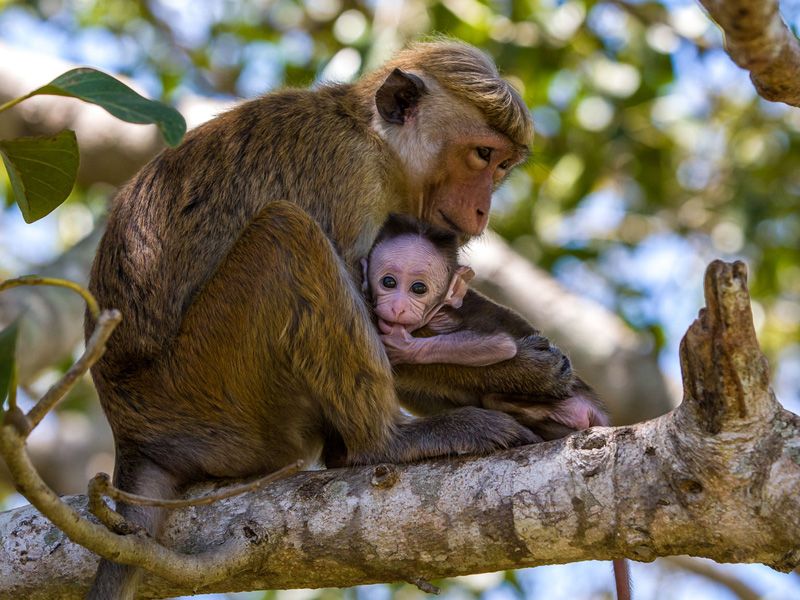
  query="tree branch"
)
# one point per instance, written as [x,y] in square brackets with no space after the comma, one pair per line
[758,40]
[718,477]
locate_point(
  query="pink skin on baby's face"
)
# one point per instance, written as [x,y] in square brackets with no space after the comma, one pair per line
[408,277]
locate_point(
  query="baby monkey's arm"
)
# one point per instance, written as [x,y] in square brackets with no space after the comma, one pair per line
[466,348]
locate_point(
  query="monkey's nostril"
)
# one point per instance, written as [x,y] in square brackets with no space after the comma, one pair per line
[481,212]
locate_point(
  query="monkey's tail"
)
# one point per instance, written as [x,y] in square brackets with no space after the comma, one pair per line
[622,579]
[136,475]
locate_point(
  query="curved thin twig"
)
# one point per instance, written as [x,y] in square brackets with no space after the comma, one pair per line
[102,485]
[138,549]
[91,302]
[95,347]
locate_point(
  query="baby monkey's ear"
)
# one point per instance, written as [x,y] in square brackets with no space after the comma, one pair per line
[458,287]
[364,276]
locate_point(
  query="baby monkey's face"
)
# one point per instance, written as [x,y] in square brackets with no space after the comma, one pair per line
[408,277]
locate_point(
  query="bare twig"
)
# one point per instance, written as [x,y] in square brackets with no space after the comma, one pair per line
[215,564]
[108,517]
[103,486]
[139,550]
[106,322]
[95,347]
[758,40]
[87,296]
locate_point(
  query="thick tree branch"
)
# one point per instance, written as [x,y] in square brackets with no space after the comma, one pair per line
[758,40]
[718,477]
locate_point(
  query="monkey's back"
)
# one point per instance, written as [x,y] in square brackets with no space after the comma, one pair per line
[178,218]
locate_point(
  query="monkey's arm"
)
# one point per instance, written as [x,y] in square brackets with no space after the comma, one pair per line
[465,348]
[537,386]
[537,369]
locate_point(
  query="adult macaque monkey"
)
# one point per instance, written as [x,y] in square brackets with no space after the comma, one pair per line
[245,342]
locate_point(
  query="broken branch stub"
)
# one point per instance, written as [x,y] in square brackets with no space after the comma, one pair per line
[725,374]
[757,39]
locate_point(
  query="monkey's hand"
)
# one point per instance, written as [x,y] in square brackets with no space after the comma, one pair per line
[400,346]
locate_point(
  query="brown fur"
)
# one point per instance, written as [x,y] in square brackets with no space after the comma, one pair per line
[245,343]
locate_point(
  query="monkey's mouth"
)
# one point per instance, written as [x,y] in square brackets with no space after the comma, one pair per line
[456,229]
[387,326]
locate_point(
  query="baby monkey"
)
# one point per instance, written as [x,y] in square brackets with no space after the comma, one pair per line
[410,275]
[415,285]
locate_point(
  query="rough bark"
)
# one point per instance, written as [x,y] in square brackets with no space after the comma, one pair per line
[718,477]
[758,40]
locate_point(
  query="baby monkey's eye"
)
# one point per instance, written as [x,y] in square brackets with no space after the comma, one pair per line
[389,282]
[419,288]
[484,152]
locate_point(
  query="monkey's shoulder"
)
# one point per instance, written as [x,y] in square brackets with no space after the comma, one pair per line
[290,114]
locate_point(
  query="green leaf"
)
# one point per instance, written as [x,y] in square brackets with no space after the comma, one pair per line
[8,343]
[118,99]
[42,171]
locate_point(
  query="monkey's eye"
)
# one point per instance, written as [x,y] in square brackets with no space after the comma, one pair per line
[419,288]
[389,282]
[484,152]
[505,165]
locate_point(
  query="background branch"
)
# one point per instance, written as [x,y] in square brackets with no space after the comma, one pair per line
[707,570]
[758,40]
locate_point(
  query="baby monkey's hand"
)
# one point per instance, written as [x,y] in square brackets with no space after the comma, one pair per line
[400,346]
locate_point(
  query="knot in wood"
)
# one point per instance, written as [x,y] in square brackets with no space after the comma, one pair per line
[254,533]
[591,449]
[385,476]
[690,487]
[643,553]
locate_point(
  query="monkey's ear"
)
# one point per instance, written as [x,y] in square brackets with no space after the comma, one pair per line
[364,279]
[397,98]
[458,286]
